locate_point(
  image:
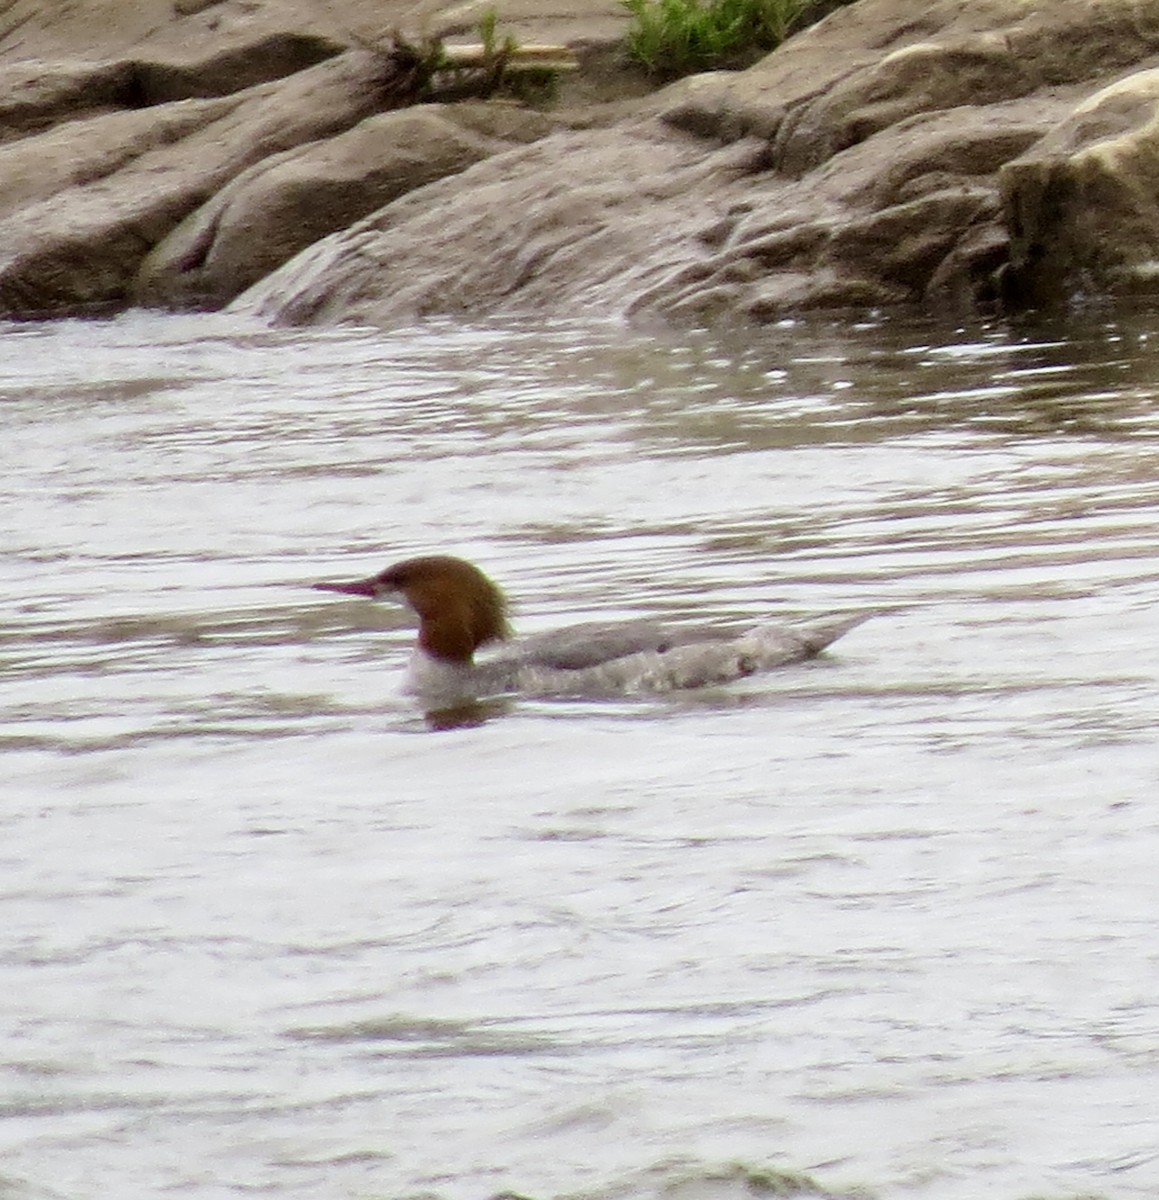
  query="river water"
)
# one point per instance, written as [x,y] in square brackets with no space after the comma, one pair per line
[885,920]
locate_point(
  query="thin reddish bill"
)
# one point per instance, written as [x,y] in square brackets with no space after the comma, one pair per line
[360,587]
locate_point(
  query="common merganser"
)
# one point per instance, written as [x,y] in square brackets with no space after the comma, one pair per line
[460,609]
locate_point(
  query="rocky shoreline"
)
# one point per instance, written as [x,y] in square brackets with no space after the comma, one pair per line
[200,154]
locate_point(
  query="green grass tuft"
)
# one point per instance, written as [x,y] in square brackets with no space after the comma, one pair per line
[670,38]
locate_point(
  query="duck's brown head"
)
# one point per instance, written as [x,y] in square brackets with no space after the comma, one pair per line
[458,607]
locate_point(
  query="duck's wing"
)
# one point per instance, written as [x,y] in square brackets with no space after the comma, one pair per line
[700,662]
[593,643]
[630,661]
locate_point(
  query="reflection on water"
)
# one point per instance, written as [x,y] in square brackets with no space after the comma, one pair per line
[883,918]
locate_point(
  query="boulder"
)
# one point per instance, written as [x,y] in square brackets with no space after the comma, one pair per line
[37,173]
[103,158]
[1082,204]
[35,96]
[129,178]
[571,224]
[287,201]
[954,155]
[107,30]
[861,164]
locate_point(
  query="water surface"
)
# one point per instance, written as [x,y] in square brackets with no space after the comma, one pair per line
[885,919]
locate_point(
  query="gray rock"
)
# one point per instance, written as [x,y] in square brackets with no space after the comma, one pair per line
[885,156]
[109,188]
[951,155]
[287,201]
[1082,203]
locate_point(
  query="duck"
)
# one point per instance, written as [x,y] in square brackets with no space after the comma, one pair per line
[461,611]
